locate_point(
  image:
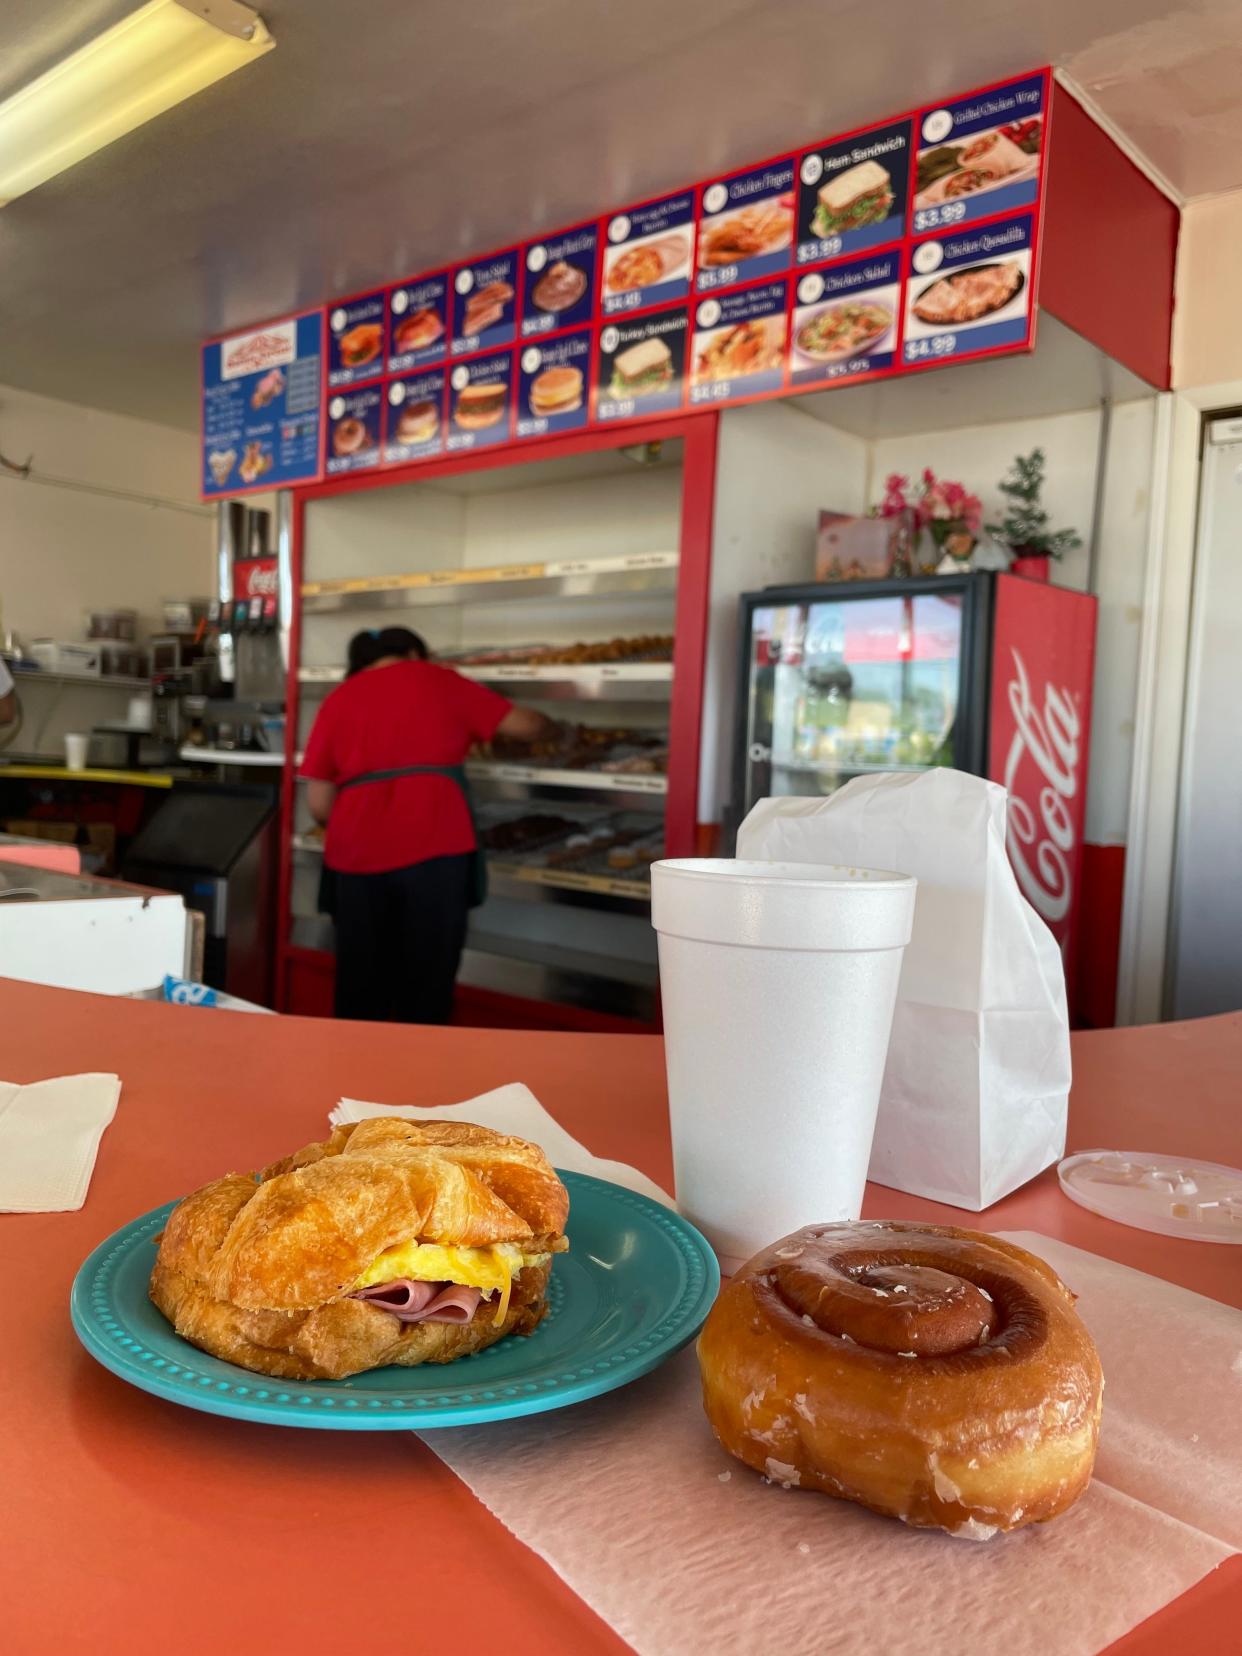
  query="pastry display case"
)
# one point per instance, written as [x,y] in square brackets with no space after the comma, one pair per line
[574,582]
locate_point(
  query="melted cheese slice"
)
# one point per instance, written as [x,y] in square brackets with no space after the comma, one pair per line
[491,1270]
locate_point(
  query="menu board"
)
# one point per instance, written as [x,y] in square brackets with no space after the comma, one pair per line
[262,406]
[900,246]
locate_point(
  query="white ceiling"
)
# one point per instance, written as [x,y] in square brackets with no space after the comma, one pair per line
[380,138]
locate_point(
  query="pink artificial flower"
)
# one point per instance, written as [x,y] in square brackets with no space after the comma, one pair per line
[894,501]
[929,477]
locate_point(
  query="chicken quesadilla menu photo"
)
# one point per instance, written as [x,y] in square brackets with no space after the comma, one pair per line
[969,293]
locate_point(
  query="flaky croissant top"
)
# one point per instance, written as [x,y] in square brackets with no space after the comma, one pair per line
[261,1271]
[302,1236]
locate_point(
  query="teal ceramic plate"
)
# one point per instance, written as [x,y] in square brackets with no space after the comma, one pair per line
[634,1287]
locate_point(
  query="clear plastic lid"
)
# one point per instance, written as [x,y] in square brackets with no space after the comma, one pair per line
[1174,1196]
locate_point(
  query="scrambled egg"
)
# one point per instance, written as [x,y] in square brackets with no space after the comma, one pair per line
[489,1269]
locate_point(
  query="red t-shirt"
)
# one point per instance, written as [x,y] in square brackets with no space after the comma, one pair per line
[408,713]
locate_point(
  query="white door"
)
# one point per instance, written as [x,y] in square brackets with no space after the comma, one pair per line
[1205,973]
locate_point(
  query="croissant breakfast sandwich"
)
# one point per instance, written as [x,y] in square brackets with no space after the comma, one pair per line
[936,1375]
[391,1242]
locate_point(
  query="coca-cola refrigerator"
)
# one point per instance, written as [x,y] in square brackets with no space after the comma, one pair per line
[988,673]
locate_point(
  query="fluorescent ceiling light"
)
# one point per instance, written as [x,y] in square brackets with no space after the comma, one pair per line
[160,55]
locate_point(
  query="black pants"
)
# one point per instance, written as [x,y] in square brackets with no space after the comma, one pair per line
[399,938]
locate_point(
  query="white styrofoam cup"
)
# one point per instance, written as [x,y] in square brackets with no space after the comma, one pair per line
[76,747]
[778,983]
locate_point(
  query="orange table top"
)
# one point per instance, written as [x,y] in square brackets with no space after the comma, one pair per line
[129,1525]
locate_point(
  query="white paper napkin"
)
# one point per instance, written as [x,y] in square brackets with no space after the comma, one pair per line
[636,1507]
[49,1138]
[514,1109]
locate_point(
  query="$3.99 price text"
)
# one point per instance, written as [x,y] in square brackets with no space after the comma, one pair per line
[931,218]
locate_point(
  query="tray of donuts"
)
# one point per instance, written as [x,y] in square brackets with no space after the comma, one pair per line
[938,1376]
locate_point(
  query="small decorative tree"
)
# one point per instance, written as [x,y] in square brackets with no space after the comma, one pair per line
[1024,528]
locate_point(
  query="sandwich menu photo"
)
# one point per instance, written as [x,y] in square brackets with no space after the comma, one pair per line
[852,193]
[356,339]
[414,417]
[554,390]
[640,365]
[417,322]
[480,401]
[892,248]
[484,308]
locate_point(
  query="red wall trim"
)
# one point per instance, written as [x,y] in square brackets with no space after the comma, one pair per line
[1109,245]
[1099,936]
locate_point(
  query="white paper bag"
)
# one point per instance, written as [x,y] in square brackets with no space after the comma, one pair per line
[977,1081]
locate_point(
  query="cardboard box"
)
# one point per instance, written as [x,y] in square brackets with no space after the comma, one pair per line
[863,548]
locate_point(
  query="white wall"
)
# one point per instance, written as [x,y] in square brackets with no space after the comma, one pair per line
[109,516]
[775,468]
[1207,342]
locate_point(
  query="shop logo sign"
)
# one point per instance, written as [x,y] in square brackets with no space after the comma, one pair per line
[255,353]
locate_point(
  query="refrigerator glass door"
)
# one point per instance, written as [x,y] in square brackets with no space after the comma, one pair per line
[842,687]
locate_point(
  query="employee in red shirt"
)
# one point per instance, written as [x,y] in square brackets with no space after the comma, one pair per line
[383,772]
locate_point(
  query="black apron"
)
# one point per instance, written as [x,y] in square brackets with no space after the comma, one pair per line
[455,773]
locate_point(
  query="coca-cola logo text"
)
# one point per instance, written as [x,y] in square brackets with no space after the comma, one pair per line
[256,579]
[1040,847]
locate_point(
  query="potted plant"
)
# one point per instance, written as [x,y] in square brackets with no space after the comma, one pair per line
[1024,528]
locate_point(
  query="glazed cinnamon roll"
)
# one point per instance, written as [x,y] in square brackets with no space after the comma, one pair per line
[939,1376]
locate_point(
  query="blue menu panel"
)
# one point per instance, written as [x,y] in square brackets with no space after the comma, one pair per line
[261,407]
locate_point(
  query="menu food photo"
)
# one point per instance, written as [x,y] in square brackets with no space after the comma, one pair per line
[897,247]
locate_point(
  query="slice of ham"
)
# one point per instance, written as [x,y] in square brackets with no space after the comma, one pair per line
[415,1302]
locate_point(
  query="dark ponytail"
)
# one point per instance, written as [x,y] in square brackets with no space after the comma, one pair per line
[366,648]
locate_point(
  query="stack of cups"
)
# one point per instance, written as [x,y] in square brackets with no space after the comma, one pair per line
[778,982]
